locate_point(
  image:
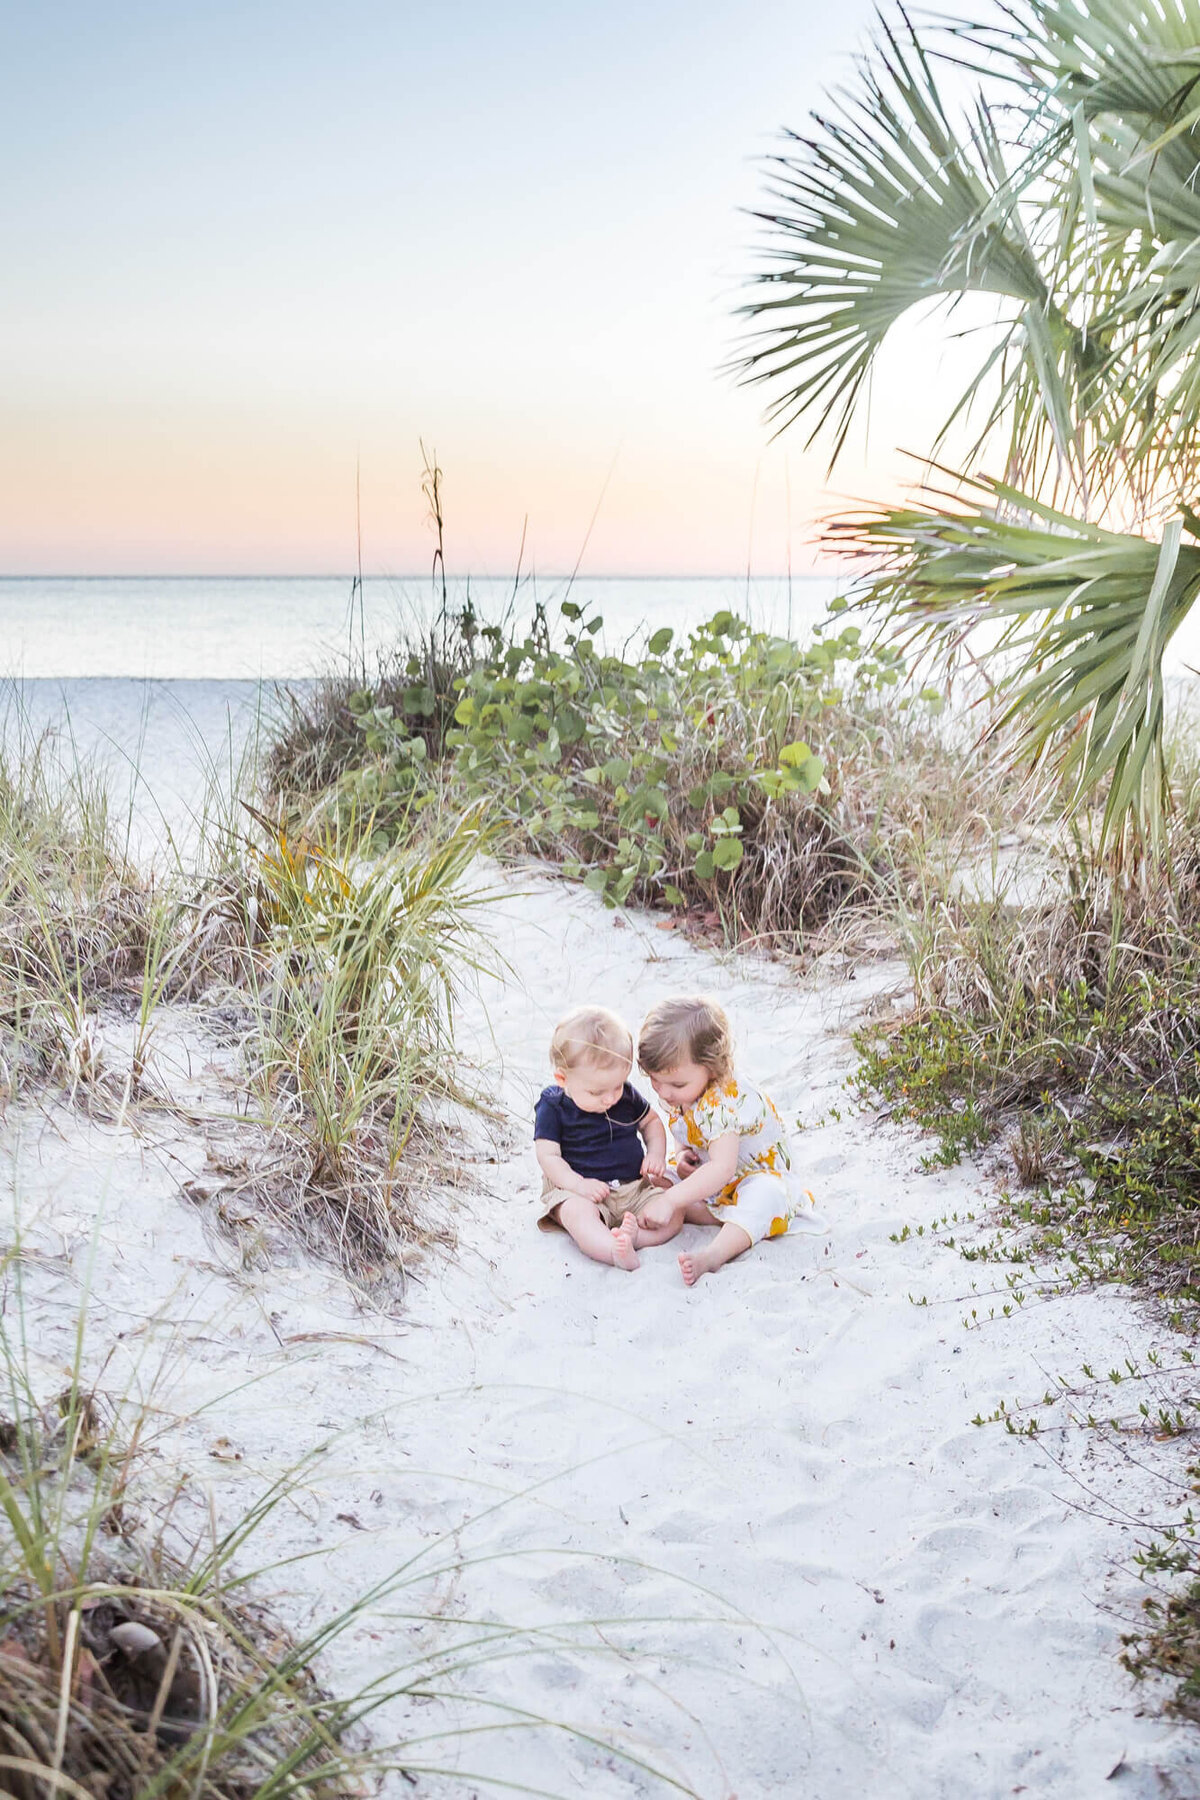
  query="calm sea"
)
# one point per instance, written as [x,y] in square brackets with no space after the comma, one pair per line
[284,628]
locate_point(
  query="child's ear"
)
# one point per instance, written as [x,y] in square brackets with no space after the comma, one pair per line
[561,1077]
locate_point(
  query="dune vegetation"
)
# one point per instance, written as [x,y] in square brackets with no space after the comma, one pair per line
[1036,170]
[1033,171]
[742,784]
[1039,876]
[335,967]
[143,1642]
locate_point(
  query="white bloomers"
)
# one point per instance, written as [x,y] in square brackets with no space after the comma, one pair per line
[767,1205]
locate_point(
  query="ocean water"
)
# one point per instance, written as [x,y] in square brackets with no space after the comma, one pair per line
[285,628]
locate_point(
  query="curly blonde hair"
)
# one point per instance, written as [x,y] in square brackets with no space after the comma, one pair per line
[692,1028]
[590,1034]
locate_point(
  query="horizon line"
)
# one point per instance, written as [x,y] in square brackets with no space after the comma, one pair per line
[403,575]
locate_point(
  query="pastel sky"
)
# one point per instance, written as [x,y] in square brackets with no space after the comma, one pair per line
[250,247]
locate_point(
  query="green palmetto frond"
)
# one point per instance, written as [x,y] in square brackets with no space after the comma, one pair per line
[1109,96]
[1072,194]
[887,207]
[1083,616]
[1083,215]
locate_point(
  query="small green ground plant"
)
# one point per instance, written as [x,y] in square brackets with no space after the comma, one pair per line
[1058,1031]
[1069,1033]
[1168,1642]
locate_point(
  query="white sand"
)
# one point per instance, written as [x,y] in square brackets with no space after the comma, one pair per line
[886,1600]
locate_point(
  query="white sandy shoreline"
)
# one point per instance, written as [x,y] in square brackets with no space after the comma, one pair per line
[870,1595]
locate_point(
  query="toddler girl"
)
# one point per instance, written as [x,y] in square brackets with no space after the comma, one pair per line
[734,1166]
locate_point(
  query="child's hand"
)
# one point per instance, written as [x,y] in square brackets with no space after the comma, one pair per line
[656,1217]
[687,1164]
[654,1168]
[593,1190]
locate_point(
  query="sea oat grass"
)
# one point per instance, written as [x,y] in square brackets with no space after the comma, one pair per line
[353,965]
[77,919]
[337,967]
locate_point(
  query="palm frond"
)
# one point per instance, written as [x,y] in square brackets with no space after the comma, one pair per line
[1108,101]
[875,214]
[1072,196]
[1082,616]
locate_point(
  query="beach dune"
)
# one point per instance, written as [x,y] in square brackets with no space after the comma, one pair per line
[758,1540]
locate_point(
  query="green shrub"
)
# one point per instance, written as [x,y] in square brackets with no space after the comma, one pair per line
[350,718]
[766,785]
[1072,1030]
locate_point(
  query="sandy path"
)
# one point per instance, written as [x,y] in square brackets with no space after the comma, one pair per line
[864,1593]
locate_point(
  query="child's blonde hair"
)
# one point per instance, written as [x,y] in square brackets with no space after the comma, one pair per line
[590,1034]
[690,1029]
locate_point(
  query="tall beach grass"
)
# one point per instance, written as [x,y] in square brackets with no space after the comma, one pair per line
[336,968]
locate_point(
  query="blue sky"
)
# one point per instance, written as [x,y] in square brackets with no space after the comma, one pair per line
[251,248]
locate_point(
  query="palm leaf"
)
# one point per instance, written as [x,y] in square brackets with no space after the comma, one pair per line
[1072,197]
[1109,104]
[1084,221]
[876,214]
[1082,616]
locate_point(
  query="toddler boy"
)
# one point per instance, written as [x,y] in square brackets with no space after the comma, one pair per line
[599,1144]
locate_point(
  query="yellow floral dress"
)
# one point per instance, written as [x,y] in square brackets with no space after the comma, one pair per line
[763,1196]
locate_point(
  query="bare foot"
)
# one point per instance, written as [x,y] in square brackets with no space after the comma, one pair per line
[693,1267]
[624,1238]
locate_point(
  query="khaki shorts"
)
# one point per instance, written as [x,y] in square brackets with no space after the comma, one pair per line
[631,1197]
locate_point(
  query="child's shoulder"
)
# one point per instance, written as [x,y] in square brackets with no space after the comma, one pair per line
[726,1091]
[730,1102]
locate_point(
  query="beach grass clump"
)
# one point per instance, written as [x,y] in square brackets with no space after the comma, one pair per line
[356,964]
[87,935]
[127,1668]
[336,960]
[80,926]
[764,788]
[1066,1030]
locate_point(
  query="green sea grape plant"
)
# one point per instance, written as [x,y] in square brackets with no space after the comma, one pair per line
[624,760]
[698,771]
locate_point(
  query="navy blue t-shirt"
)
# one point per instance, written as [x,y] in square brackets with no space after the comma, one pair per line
[600,1146]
